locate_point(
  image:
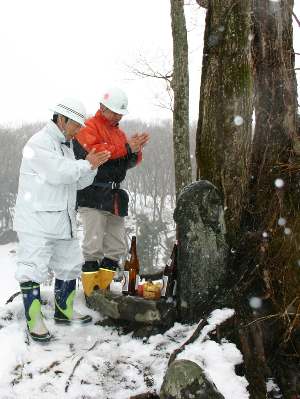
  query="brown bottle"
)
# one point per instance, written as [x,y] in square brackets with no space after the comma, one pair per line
[131,270]
[170,275]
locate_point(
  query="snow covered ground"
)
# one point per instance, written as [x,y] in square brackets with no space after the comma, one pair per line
[99,362]
[8,284]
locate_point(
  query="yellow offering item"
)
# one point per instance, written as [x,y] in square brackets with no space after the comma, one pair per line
[151,290]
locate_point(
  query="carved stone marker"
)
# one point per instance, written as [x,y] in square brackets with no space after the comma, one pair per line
[202,250]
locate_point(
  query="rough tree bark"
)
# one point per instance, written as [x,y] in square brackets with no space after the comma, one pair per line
[272,219]
[180,86]
[262,218]
[224,125]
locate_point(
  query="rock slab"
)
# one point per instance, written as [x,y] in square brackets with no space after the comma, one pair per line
[133,309]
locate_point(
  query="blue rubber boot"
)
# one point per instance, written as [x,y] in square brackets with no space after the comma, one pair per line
[32,304]
[64,293]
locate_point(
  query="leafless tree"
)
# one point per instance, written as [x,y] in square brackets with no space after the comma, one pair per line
[180,86]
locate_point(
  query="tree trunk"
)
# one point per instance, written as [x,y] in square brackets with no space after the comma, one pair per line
[226,105]
[259,178]
[180,86]
[271,221]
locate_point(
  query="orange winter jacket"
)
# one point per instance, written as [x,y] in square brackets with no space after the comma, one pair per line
[100,135]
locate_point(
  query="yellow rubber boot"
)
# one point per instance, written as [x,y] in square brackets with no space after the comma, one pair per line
[105,277]
[90,282]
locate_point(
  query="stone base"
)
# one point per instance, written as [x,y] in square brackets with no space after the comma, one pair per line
[133,313]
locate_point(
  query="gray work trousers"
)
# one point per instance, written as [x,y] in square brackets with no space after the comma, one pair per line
[103,235]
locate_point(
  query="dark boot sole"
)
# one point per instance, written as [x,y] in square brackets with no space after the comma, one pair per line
[44,338]
[84,320]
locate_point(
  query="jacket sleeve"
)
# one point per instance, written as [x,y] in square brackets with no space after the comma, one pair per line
[80,153]
[52,166]
[86,180]
[133,159]
[89,140]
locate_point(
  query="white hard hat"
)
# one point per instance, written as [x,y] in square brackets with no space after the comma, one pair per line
[116,100]
[71,108]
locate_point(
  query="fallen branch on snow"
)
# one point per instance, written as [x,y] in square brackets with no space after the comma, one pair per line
[192,338]
[12,297]
[69,380]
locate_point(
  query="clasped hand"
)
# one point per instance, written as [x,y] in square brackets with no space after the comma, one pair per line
[137,141]
[97,158]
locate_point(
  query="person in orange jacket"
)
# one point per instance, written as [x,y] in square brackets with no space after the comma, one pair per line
[103,205]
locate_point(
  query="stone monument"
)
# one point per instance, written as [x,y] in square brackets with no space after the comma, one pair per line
[202,249]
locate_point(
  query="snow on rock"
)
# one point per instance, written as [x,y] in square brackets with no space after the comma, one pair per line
[218,360]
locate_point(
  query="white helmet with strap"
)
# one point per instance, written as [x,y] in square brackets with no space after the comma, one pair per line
[71,108]
[116,100]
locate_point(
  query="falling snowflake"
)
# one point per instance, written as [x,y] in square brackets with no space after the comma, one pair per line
[255,302]
[287,231]
[281,221]
[238,120]
[279,183]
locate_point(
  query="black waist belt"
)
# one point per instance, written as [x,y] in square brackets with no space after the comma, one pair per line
[110,185]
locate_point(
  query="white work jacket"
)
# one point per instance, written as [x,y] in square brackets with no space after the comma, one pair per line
[49,179]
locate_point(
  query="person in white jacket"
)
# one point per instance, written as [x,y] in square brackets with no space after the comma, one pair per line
[45,215]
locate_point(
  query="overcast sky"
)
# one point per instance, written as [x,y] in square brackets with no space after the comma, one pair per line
[56,48]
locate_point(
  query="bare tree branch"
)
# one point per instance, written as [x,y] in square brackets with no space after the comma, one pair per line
[13,297]
[296,18]
[151,75]
[143,69]
[192,338]
[69,380]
